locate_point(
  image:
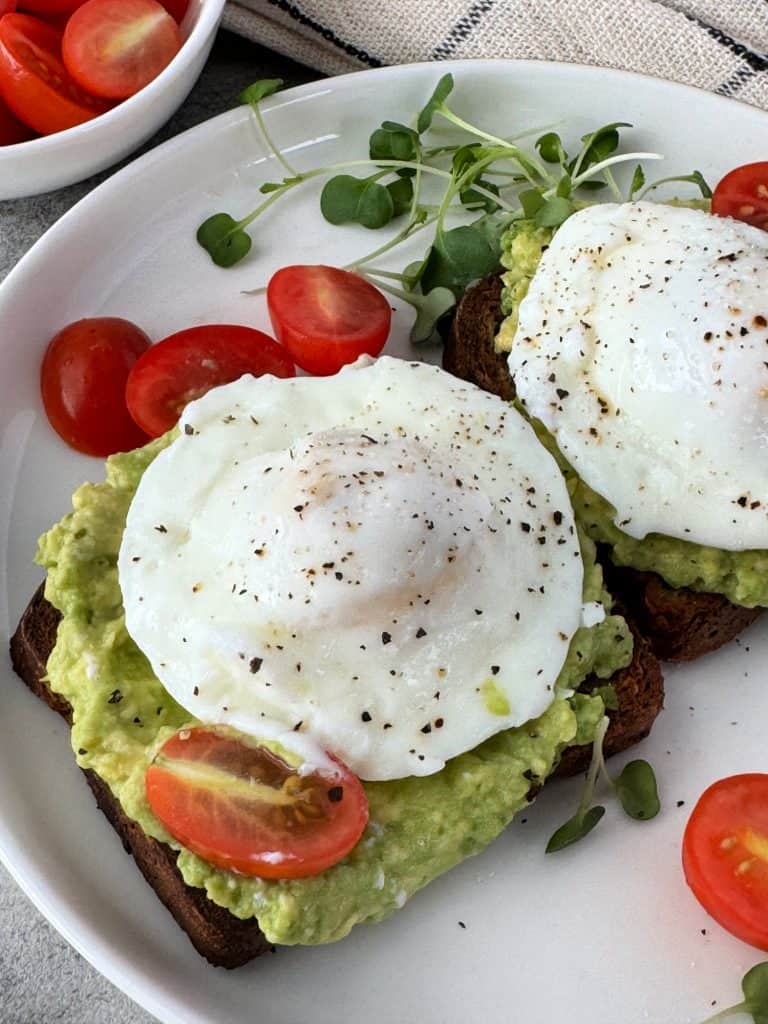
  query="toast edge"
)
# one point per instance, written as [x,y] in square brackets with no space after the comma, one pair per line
[223,939]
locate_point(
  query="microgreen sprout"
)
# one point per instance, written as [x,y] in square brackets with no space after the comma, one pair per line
[754,985]
[635,787]
[488,182]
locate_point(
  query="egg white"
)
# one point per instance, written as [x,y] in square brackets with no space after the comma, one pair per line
[383,563]
[642,346]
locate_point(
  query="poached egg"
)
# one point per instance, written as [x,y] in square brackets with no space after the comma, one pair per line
[382,565]
[642,346]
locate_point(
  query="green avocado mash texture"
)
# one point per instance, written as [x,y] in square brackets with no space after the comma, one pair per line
[419,827]
[742,576]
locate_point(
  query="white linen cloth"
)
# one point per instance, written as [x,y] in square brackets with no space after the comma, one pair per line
[721,45]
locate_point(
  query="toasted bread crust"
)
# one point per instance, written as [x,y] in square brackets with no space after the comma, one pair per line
[680,624]
[640,697]
[223,939]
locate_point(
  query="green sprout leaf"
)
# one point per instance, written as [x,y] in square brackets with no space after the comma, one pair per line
[393,141]
[465,156]
[593,185]
[531,201]
[346,199]
[260,90]
[223,239]
[457,257]
[412,273]
[401,192]
[553,212]
[474,200]
[638,180]
[435,305]
[580,825]
[754,985]
[636,789]
[443,90]
[599,145]
[550,148]
[564,186]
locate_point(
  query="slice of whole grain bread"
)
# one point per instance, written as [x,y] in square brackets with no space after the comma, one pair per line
[680,624]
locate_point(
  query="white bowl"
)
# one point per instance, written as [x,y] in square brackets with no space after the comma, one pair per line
[40,165]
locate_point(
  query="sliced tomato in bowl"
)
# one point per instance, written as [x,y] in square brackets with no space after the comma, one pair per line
[11,129]
[51,6]
[33,80]
[241,807]
[327,317]
[113,48]
[185,365]
[82,380]
[725,855]
[176,8]
[743,194]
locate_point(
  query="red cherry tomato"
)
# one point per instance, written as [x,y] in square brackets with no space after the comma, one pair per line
[34,82]
[113,48]
[11,129]
[83,384]
[725,855]
[743,194]
[242,808]
[176,8]
[185,365]
[327,317]
[7,6]
[51,6]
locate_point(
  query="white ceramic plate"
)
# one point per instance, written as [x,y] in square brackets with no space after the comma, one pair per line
[605,932]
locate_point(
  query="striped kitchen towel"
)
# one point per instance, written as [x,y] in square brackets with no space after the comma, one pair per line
[720,45]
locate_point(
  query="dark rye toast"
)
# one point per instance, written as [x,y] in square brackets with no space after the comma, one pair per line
[223,939]
[680,624]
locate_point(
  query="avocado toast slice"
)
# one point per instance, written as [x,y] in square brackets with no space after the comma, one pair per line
[122,710]
[680,623]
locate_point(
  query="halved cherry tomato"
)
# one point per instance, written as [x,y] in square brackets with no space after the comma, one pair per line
[327,317]
[242,808]
[83,384]
[11,129]
[34,82]
[113,48]
[725,855]
[51,6]
[185,365]
[743,194]
[176,8]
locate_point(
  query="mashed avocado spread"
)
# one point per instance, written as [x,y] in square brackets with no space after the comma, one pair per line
[742,576]
[419,827]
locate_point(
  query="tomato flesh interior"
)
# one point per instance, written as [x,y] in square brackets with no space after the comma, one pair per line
[189,363]
[327,317]
[743,194]
[113,48]
[725,855]
[241,807]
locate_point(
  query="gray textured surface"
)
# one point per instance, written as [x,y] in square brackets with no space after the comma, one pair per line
[43,980]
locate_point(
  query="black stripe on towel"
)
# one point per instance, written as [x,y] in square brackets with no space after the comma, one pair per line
[757,61]
[295,12]
[463,29]
[736,82]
